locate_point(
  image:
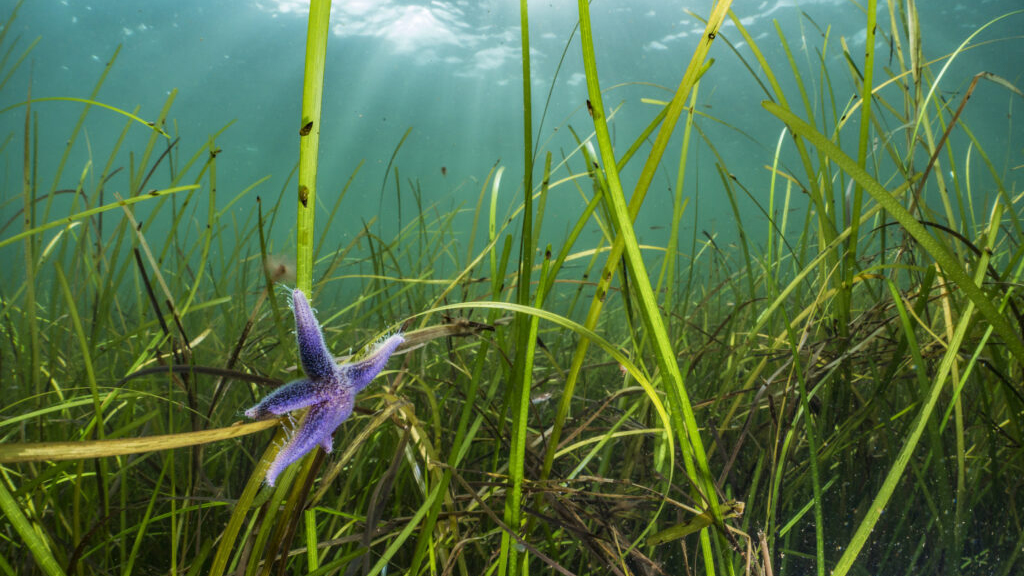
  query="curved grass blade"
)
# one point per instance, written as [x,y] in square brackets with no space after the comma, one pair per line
[949,264]
[695,457]
[590,335]
[93,211]
[150,125]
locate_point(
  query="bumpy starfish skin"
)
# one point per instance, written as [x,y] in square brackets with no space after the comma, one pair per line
[329,391]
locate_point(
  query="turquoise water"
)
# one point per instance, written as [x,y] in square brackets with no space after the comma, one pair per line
[451,72]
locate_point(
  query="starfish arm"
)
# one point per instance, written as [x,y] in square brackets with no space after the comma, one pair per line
[284,399]
[318,428]
[337,410]
[316,360]
[361,373]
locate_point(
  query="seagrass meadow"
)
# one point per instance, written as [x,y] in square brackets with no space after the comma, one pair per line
[722,288]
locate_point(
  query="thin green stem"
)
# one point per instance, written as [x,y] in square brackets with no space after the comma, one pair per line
[309,137]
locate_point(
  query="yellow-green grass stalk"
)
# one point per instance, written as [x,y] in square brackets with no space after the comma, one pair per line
[93,211]
[863,144]
[31,534]
[11,452]
[309,138]
[949,265]
[309,144]
[684,421]
[526,327]
[666,118]
[151,125]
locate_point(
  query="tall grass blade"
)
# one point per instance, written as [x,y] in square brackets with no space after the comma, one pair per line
[309,138]
[950,266]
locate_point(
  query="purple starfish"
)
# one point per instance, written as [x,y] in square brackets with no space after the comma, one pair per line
[329,391]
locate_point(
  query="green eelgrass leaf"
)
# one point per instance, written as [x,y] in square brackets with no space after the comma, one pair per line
[228,536]
[525,327]
[151,125]
[93,211]
[685,424]
[877,506]
[309,138]
[938,251]
[699,522]
[40,551]
[584,332]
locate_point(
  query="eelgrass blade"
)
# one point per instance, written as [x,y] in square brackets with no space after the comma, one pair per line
[32,539]
[627,364]
[525,326]
[31,247]
[309,138]
[387,173]
[684,421]
[666,119]
[151,125]
[228,544]
[923,107]
[93,211]
[938,251]
[5,27]
[146,520]
[892,478]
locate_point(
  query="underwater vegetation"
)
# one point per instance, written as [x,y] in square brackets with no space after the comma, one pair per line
[843,395]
